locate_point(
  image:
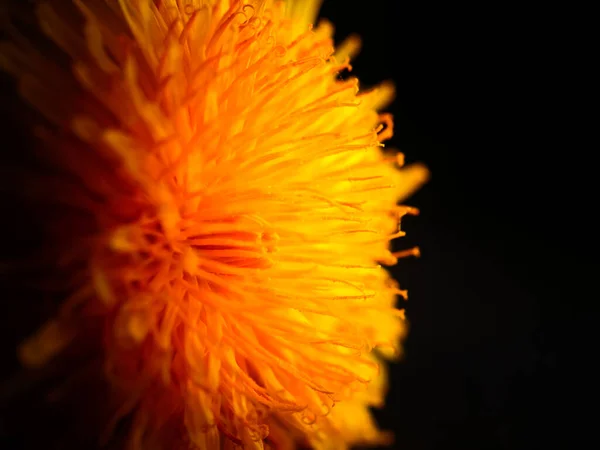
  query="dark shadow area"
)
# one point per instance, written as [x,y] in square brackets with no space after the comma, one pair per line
[497,355]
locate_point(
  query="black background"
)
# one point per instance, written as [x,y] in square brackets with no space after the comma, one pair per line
[498,354]
[496,357]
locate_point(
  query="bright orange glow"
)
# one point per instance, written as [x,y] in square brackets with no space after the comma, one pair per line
[239,209]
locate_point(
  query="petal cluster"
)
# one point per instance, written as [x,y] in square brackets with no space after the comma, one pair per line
[228,208]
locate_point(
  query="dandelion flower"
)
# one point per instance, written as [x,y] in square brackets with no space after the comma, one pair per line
[225,212]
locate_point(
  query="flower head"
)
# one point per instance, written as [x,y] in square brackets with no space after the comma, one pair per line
[229,208]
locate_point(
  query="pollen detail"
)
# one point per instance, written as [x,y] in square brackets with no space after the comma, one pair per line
[241,208]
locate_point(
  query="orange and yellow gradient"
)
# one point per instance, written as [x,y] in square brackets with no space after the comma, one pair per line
[227,208]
